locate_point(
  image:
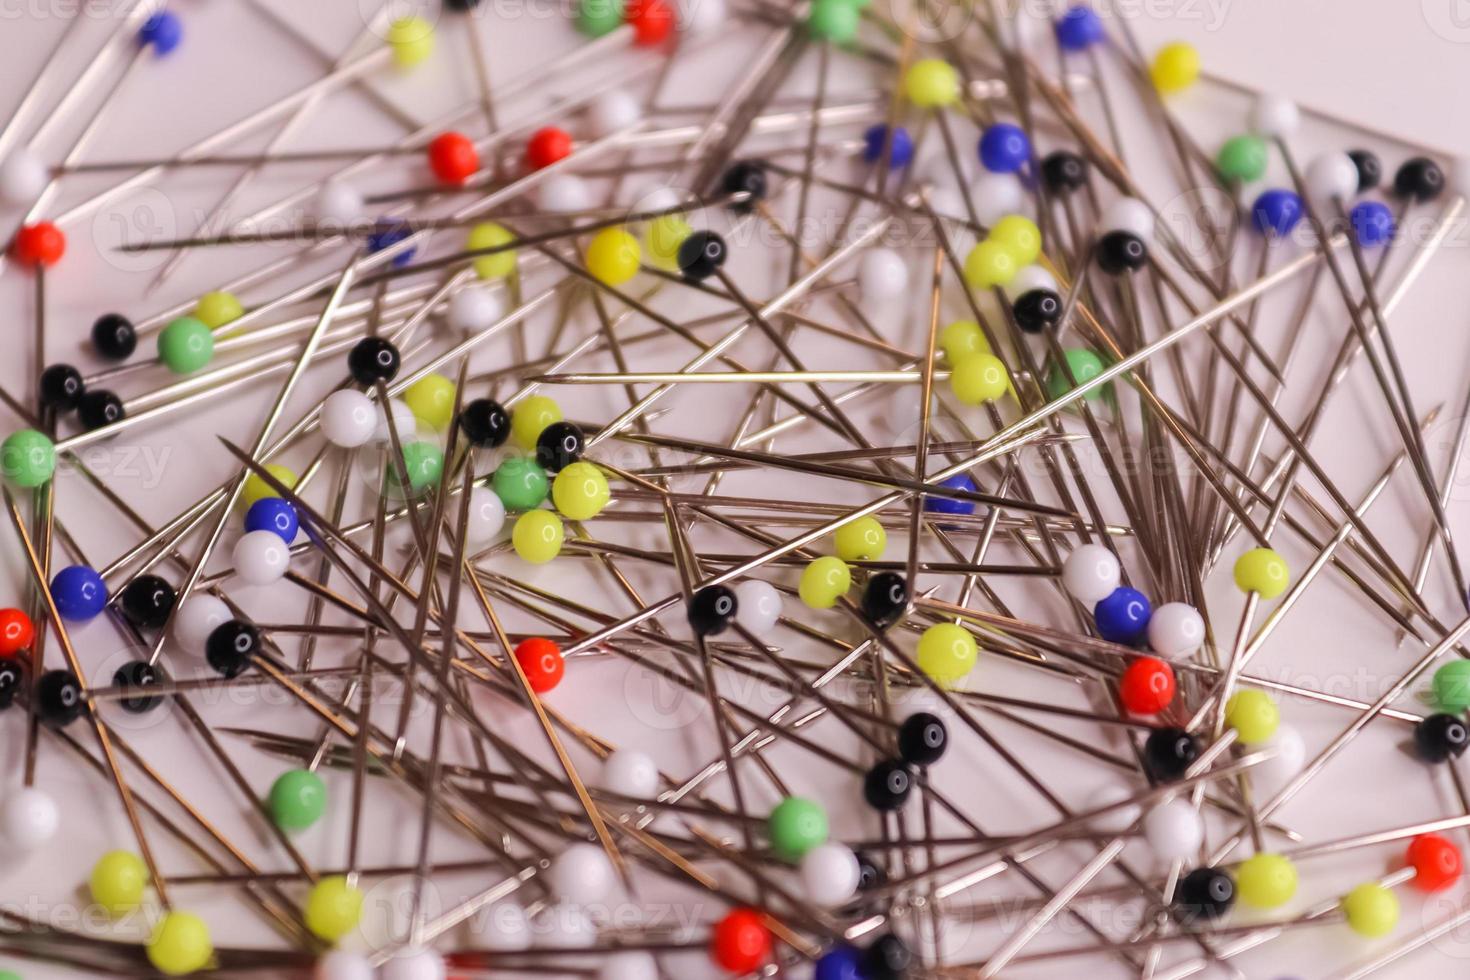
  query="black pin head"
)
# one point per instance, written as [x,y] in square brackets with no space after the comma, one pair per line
[1169,752]
[701,255]
[147,600]
[1063,172]
[1370,169]
[885,598]
[922,739]
[559,446]
[59,699]
[887,785]
[712,610]
[373,359]
[114,337]
[1121,251]
[485,423]
[61,387]
[138,674]
[99,408]
[1419,179]
[1204,893]
[1037,309]
[746,177]
[1441,737]
[231,647]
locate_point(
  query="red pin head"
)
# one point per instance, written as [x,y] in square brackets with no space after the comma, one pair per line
[453,158]
[1147,686]
[546,146]
[1436,862]
[40,244]
[651,20]
[542,661]
[16,632]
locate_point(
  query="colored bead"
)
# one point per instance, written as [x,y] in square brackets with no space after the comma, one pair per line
[138,675]
[833,20]
[1082,366]
[961,340]
[1331,176]
[613,256]
[1036,310]
[1436,862]
[1441,737]
[60,387]
[746,177]
[628,772]
[27,458]
[887,785]
[231,647]
[530,418]
[931,83]
[1121,251]
[1262,571]
[297,799]
[496,265]
[453,158]
[830,875]
[994,196]
[474,310]
[1370,168]
[1276,212]
[1063,172]
[1122,617]
[824,581]
[485,423]
[118,881]
[431,399]
[1420,179]
[559,445]
[1079,29]
[162,32]
[947,653]
[99,408]
[23,178]
[1004,148]
[900,148]
[180,944]
[1019,234]
[1371,909]
[185,345]
[537,536]
[612,112]
[980,379]
[952,505]
[663,239]
[1242,159]
[1275,117]
[1253,715]
[373,359]
[412,40]
[520,483]
[146,601]
[28,818]
[581,874]
[546,146]
[990,264]
[712,609]
[16,632]
[887,958]
[59,700]
[861,540]
[10,682]
[199,616]
[339,205]
[1131,215]
[333,908]
[114,336]
[1169,752]
[79,593]
[1176,629]
[1265,881]
[1372,224]
[1204,894]
[922,739]
[702,253]
[275,515]
[757,606]
[598,17]
[339,964]
[40,244]
[486,517]
[217,309]
[256,488]
[1146,687]
[1173,830]
[1175,67]
[413,963]
[885,598]
[424,464]
[796,826]
[740,942]
[261,557]
[882,275]
[580,491]
[388,232]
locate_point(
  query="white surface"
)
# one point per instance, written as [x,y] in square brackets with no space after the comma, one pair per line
[233,62]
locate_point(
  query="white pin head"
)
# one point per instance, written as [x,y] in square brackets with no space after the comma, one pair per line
[1275,117]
